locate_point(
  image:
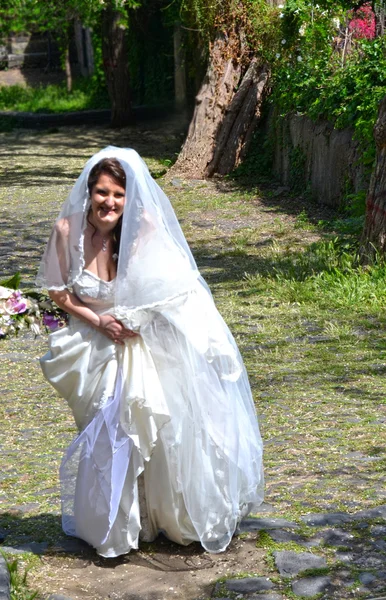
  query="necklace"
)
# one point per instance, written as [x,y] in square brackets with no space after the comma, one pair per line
[104,244]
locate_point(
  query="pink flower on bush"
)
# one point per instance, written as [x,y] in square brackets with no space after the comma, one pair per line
[15,305]
[362,22]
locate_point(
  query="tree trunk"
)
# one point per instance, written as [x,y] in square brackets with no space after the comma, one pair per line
[227,109]
[89,50]
[78,33]
[380,16]
[179,68]
[67,66]
[235,133]
[374,233]
[84,49]
[115,63]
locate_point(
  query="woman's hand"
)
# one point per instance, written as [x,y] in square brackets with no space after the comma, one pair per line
[114,330]
[106,324]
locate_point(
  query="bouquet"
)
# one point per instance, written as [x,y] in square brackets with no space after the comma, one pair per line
[32,311]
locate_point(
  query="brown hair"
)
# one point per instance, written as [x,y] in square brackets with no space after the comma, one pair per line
[113,168]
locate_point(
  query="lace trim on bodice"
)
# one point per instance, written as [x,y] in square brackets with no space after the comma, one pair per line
[94,291]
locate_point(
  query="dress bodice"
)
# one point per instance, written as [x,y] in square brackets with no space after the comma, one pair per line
[95,292]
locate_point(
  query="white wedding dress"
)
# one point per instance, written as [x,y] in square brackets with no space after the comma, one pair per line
[169,439]
[154,452]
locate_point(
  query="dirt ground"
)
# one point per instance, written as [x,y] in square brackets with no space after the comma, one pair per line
[162,572]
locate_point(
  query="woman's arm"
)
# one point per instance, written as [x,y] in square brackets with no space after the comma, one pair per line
[106,324]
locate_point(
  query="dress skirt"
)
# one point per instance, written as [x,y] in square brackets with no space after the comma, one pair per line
[168,437]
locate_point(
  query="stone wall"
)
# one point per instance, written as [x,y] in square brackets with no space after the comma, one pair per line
[314,156]
[26,50]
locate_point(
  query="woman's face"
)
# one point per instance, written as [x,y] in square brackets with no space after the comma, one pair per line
[107,201]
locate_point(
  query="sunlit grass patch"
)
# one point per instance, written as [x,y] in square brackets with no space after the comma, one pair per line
[321,274]
[53,98]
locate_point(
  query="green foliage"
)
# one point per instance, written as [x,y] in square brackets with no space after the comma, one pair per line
[264,540]
[18,581]
[57,17]
[151,59]
[13,283]
[355,204]
[257,20]
[297,171]
[98,78]
[53,15]
[257,165]
[326,275]
[87,94]
[313,75]
[29,15]
[302,221]
[348,226]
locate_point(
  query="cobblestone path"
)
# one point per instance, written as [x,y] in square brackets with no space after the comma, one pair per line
[318,382]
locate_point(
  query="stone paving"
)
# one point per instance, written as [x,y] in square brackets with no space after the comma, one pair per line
[356,564]
[4,580]
[335,555]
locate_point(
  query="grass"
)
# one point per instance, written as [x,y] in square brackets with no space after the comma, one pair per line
[18,573]
[308,319]
[323,275]
[53,98]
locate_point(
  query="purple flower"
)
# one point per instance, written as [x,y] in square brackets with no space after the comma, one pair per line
[15,304]
[51,322]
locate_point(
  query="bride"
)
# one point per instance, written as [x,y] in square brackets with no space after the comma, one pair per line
[168,436]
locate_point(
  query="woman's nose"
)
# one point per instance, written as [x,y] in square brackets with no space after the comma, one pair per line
[109,200]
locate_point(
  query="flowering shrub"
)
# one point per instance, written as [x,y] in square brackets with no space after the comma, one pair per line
[362,22]
[332,66]
[18,311]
